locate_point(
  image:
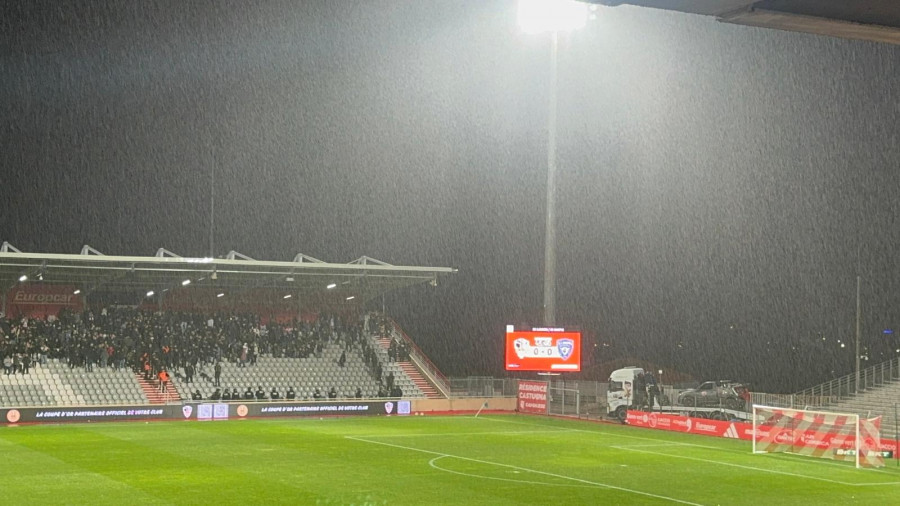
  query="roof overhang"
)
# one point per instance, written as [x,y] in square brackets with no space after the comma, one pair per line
[871,20]
[363,279]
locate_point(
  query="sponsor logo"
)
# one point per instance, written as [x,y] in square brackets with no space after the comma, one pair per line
[220,410]
[242,410]
[687,424]
[42,298]
[653,420]
[813,440]
[13,416]
[732,432]
[204,412]
[388,407]
[565,347]
[705,427]
[187,410]
[784,437]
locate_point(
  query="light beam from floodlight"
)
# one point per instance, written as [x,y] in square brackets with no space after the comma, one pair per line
[539,16]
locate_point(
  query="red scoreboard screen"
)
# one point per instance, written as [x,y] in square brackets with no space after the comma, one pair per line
[543,349]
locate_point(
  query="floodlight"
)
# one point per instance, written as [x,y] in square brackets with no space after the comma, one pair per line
[23,278]
[332,285]
[288,296]
[150,293]
[351,297]
[186,282]
[76,292]
[539,16]
[220,295]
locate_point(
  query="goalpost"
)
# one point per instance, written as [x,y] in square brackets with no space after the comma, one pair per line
[819,434]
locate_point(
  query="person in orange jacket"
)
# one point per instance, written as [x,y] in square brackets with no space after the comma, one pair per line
[163,381]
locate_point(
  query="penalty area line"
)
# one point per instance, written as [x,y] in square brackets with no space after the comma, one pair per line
[752,468]
[535,471]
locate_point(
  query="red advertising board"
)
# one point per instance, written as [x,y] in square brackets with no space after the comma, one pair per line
[38,300]
[734,430]
[533,397]
[543,350]
[665,421]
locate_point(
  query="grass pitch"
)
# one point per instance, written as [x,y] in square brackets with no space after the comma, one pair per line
[413,460]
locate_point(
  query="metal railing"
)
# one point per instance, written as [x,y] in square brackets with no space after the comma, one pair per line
[794,401]
[421,360]
[846,386]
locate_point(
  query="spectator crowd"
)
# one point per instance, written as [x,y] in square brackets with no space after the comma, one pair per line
[153,343]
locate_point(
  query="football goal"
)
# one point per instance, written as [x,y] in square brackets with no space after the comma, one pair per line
[819,434]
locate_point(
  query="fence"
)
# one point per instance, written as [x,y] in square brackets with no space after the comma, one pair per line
[483,386]
[565,402]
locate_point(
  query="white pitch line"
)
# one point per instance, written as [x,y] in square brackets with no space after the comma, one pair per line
[694,445]
[480,476]
[495,433]
[824,462]
[764,470]
[653,445]
[602,433]
[545,473]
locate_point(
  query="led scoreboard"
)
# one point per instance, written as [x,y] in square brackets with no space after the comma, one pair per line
[543,349]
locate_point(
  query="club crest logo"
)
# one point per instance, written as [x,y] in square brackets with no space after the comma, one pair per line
[187,410]
[565,348]
[522,346]
[388,407]
[13,416]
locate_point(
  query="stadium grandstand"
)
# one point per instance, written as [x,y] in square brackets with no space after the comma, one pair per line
[90,329]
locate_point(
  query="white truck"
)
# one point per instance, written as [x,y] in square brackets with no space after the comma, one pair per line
[620,398]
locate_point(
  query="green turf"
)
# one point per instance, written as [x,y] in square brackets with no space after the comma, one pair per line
[414,460]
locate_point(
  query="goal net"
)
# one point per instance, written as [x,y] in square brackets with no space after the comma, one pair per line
[819,434]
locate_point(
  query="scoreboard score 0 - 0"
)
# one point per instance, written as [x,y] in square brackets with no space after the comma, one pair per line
[543,349]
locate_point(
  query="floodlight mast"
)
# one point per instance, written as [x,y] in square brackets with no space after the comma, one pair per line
[553,16]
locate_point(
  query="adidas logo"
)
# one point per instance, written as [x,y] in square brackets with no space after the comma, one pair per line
[731,432]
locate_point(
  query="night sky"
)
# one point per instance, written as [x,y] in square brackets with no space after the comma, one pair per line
[720,187]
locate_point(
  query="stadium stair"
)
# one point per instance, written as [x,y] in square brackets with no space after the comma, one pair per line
[419,380]
[414,373]
[154,396]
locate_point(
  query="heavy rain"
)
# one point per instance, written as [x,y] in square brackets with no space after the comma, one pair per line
[719,188]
